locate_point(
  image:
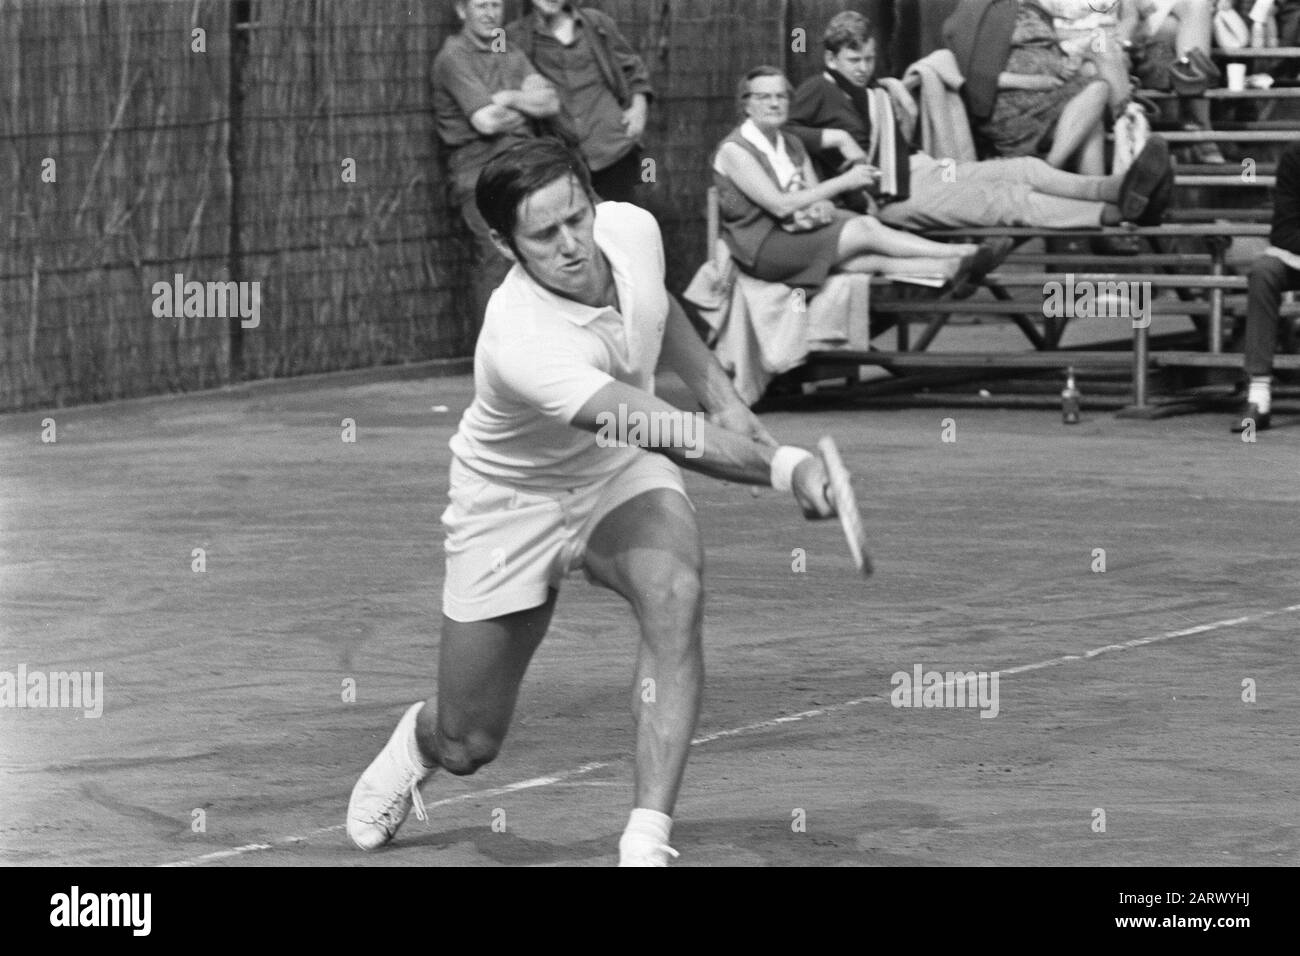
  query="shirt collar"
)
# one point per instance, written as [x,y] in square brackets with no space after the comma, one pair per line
[474,43]
[749,129]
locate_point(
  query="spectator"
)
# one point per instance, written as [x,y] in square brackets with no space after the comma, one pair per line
[1272,274]
[603,86]
[1026,96]
[1091,29]
[778,220]
[832,117]
[486,97]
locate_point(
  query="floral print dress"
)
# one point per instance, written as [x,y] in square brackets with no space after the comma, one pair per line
[1023,121]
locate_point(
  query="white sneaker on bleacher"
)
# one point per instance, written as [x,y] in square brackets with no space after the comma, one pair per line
[388,789]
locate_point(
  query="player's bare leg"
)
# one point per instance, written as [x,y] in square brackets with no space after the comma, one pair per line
[480,667]
[648,550]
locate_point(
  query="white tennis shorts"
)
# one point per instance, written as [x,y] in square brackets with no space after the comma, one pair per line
[507,547]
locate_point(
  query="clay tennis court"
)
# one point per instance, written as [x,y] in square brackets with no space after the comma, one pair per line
[224,690]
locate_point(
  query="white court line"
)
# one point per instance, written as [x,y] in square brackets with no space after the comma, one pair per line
[747,728]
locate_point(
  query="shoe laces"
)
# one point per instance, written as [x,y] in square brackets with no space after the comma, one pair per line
[388,814]
[417,802]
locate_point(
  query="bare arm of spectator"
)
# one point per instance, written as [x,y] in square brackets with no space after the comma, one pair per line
[845,143]
[495,119]
[820,212]
[752,180]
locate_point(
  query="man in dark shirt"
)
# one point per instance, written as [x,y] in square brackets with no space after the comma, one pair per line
[603,85]
[830,114]
[1272,274]
[486,97]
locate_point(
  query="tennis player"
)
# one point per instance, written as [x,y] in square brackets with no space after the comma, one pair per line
[554,469]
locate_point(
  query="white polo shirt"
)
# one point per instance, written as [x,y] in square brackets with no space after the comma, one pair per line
[540,357]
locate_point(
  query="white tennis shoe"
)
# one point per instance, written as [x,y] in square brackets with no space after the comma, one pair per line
[388,789]
[642,852]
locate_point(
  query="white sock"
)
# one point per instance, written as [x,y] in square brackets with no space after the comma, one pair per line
[646,826]
[1261,393]
[413,746]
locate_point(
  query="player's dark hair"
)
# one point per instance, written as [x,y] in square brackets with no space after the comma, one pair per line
[514,175]
[847,29]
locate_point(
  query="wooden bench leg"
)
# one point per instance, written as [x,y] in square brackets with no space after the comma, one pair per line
[1219,252]
[1026,323]
[932,329]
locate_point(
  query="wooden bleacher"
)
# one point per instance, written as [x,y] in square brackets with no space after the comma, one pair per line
[1206,286]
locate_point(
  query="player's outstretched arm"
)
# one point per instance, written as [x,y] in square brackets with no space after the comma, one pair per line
[686,354]
[623,414]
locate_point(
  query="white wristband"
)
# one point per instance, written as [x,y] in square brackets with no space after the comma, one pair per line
[784,462]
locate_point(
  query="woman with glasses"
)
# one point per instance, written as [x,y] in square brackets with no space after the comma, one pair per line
[778,219]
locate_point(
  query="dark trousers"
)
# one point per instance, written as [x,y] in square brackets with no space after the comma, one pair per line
[1269,278]
[490,267]
[622,181]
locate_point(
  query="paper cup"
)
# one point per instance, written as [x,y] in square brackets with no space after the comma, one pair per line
[1236,76]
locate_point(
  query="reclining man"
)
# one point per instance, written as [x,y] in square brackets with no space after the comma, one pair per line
[832,116]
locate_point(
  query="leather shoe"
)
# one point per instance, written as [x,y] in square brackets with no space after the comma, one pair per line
[974,268]
[1252,413]
[1142,177]
[1159,200]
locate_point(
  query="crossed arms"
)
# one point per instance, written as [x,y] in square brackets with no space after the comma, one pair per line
[511,109]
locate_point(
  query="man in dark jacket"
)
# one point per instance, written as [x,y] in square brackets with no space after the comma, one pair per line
[1272,274]
[603,85]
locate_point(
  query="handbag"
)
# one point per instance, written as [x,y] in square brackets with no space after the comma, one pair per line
[1152,60]
[807,219]
[1187,78]
[1231,32]
[1193,74]
[1205,63]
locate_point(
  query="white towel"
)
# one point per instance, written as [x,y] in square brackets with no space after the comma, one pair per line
[758,331]
[883,150]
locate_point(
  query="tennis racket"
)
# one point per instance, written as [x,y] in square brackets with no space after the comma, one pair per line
[845,501]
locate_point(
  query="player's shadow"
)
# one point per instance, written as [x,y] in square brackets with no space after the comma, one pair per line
[510,849]
[880,834]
